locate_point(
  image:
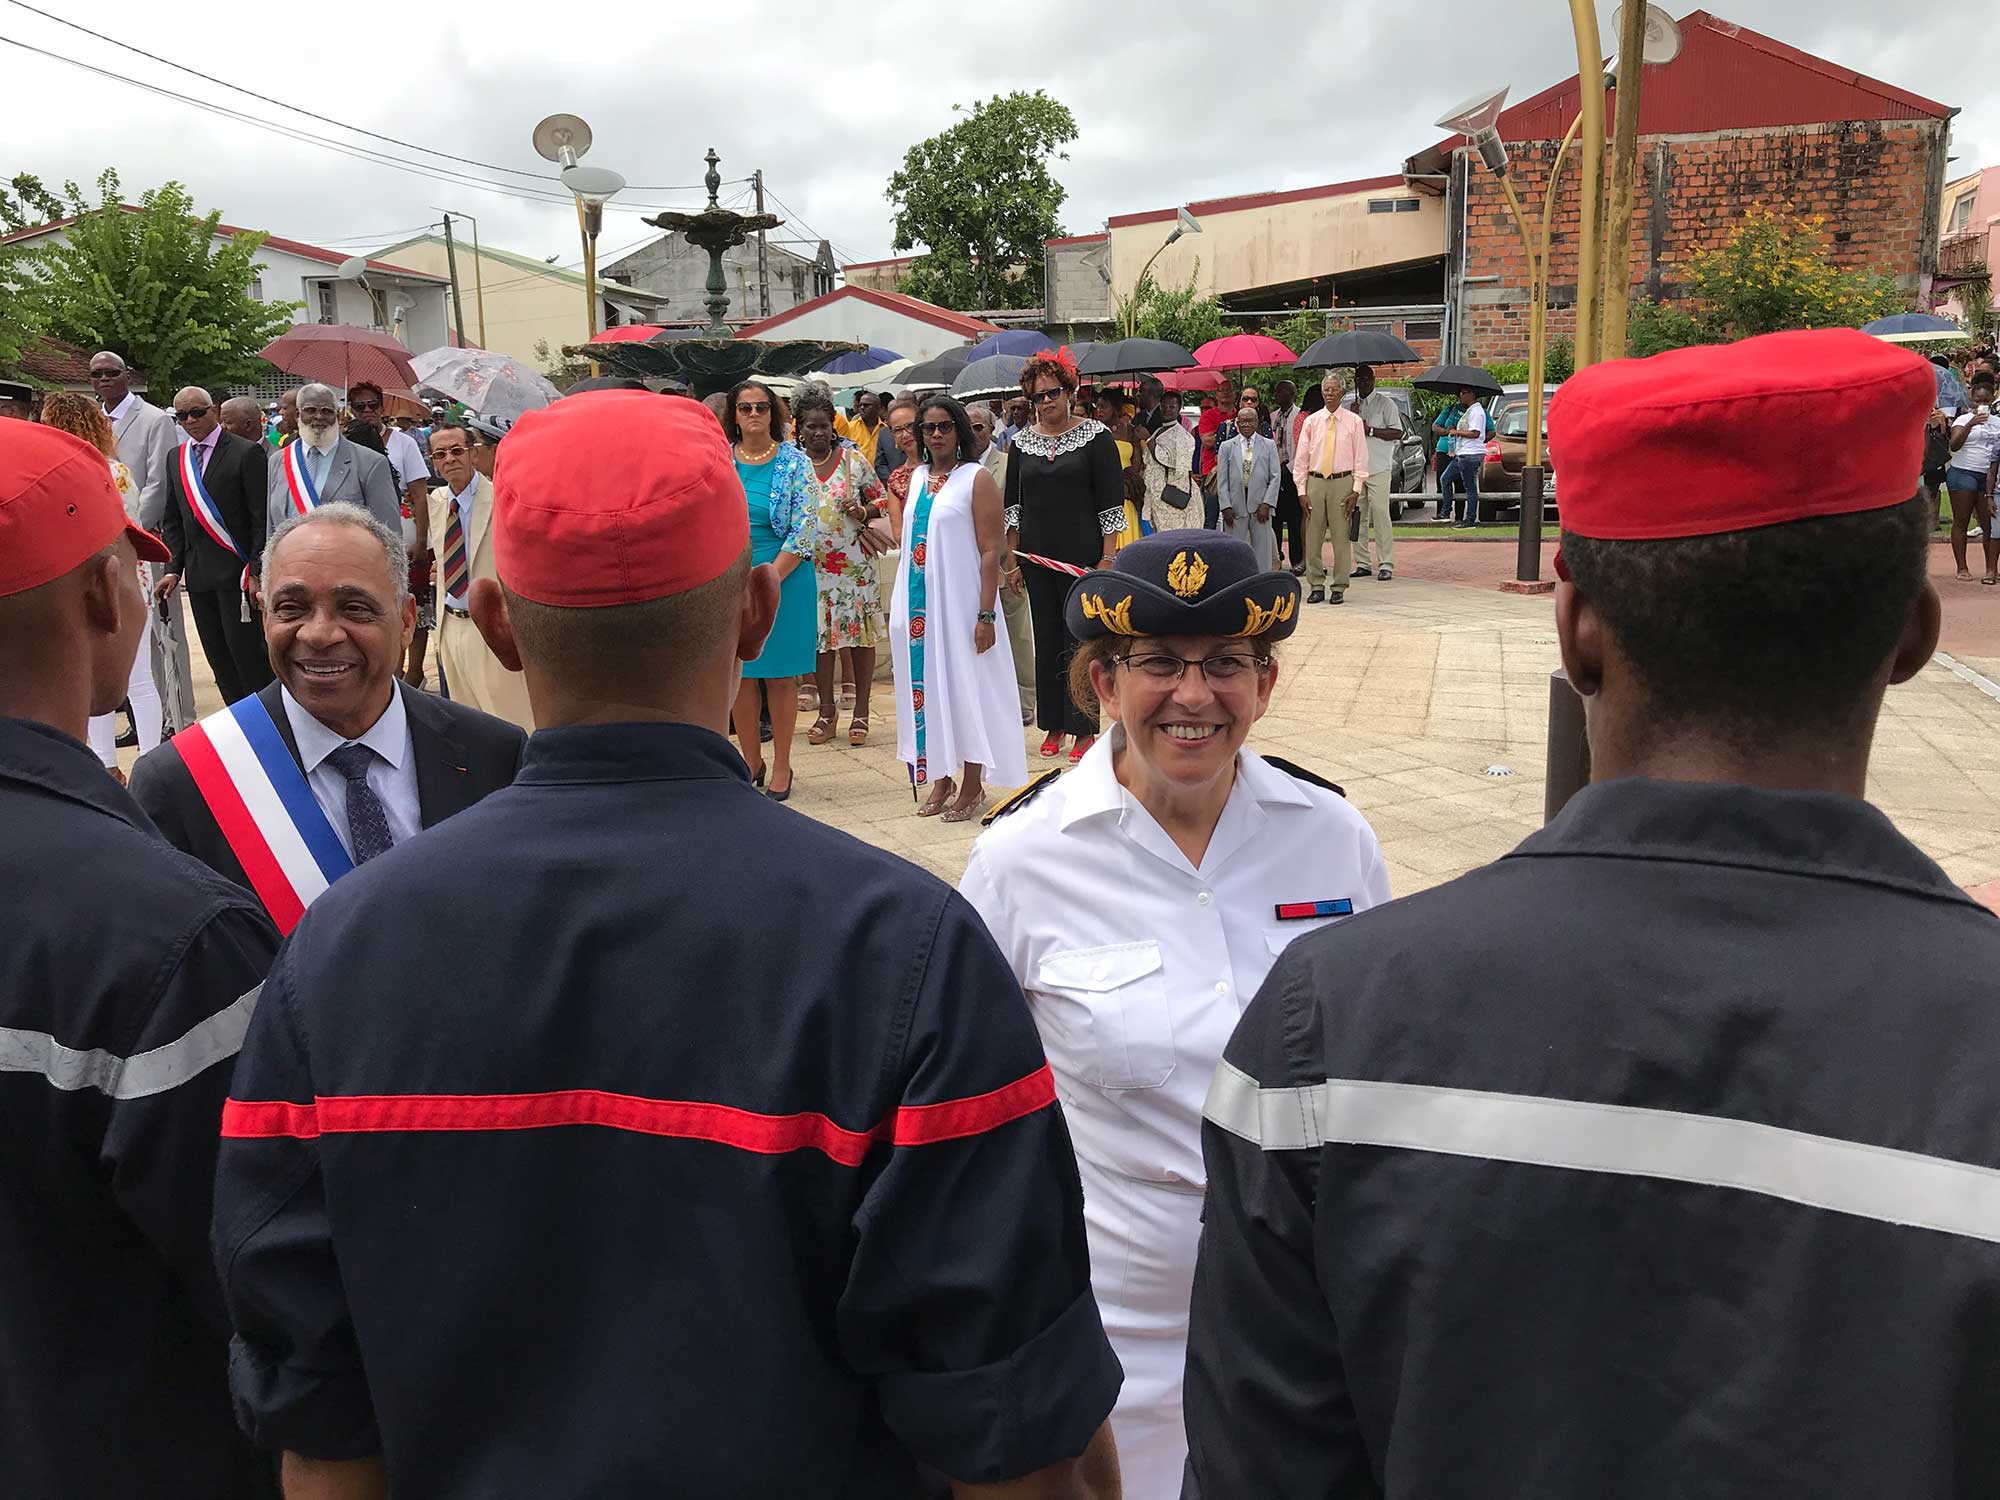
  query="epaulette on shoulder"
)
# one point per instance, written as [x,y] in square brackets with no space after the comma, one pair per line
[1015,801]
[1303,774]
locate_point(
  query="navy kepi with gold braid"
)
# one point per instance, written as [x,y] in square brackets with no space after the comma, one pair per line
[1184,583]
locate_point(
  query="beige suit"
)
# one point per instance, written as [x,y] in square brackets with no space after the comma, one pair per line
[472,673]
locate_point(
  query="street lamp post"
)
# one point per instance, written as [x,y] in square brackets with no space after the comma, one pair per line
[1184,223]
[565,138]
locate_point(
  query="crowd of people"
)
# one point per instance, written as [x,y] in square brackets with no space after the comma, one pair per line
[396,1101]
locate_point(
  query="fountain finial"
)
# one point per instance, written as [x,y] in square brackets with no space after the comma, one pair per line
[714,178]
[715,229]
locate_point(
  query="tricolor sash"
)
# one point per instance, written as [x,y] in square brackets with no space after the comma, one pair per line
[259,799]
[209,518]
[305,494]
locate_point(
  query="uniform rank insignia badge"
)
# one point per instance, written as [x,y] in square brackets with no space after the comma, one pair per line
[1305,911]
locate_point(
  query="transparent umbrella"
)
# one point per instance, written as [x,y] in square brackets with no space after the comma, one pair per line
[490,384]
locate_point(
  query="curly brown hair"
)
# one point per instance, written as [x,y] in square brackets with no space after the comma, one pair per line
[80,416]
[1047,364]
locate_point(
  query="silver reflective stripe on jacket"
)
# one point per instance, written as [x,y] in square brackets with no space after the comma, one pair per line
[197,1049]
[1895,1187]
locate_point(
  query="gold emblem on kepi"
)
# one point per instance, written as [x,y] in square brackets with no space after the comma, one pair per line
[1186,574]
[1260,619]
[1117,617]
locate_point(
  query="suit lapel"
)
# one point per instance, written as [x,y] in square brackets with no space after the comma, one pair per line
[338,467]
[482,516]
[444,785]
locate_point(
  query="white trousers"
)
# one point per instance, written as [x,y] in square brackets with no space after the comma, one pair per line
[1143,1240]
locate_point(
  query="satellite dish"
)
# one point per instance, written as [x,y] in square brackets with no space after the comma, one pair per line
[1663,37]
[1189,224]
[562,138]
[353,268]
[592,184]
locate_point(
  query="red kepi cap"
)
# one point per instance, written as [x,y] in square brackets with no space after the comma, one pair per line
[616,497]
[58,507]
[1731,437]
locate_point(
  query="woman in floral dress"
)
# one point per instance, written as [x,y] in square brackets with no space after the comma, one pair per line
[850,598]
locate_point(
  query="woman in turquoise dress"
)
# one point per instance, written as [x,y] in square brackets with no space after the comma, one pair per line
[783,523]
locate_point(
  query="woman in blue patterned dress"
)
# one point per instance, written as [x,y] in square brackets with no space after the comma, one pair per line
[783,524]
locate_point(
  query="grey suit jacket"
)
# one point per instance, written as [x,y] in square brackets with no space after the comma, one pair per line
[148,442]
[357,475]
[1263,474]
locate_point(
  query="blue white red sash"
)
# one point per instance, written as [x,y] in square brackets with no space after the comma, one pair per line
[206,515]
[305,494]
[259,799]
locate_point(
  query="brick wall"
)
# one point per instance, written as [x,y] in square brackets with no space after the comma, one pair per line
[1872,179]
[1074,291]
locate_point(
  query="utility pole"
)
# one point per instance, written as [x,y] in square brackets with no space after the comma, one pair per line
[1617,279]
[451,265]
[763,253]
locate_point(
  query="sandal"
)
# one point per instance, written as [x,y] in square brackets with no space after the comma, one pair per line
[1990,579]
[965,812]
[1052,747]
[940,795]
[822,730]
[1081,748]
[857,731]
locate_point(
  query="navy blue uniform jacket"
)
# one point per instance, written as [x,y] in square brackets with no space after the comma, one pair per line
[631,1134]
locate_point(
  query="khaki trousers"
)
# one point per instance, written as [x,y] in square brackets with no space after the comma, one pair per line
[475,675]
[1327,518]
[1375,518]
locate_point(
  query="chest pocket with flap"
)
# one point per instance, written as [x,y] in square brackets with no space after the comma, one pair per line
[1123,987]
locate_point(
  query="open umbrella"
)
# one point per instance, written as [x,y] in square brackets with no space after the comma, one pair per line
[995,375]
[942,370]
[1021,341]
[1190,380]
[1449,380]
[1134,357]
[337,355]
[490,384]
[1242,351]
[625,333]
[1900,328]
[873,357]
[1952,394]
[881,378]
[1358,346]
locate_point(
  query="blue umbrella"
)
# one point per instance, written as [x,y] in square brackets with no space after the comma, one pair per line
[1911,323]
[861,359]
[1952,394]
[1022,341]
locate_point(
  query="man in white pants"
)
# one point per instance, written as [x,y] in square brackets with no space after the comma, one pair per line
[1384,422]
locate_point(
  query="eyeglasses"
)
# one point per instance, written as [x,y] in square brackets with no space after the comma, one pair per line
[902,429]
[192,411]
[105,374]
[361,406]
[938,429]
[1161,667]
[752,408]
[456,450]
[1047,395]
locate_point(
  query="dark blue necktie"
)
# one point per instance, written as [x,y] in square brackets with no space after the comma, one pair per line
[367,823]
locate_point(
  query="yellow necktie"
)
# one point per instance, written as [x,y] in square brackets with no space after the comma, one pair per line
[1332,438]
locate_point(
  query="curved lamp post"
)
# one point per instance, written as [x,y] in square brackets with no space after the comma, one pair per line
[565,138]
[1184,223]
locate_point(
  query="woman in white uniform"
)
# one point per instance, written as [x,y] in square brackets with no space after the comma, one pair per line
[1142,899]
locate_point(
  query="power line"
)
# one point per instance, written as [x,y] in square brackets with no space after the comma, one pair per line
[799,219]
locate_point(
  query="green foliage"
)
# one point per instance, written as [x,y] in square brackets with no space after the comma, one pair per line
[1655,327]
[23,313]
[1776,271]
[28,204]
[1558,361]
[981,199]
[1976,299]
[158,287]
[1180,315]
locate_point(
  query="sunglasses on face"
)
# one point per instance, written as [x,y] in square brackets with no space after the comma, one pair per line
[361,406]
[105,374]
[192,411]
[938,429]
[1047,395]
[752,408]
[456,450]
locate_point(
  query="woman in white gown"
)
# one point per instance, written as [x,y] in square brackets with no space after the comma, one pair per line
[958,717]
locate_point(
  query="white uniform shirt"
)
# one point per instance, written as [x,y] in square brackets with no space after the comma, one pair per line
[1137,965]
[1378,409]
[392,775]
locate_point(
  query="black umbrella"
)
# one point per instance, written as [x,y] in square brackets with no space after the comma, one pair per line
[1358,346]
[942,370]
[1135,357]
[1449,380]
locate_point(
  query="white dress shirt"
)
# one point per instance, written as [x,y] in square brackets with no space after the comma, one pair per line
[1137,965]
[117,412]
[392,775]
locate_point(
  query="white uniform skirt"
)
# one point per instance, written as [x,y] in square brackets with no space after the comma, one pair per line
[1143,1241]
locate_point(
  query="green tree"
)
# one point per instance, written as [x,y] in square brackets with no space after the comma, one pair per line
[28,203]
[1181,315]
[160,288]
[1655,327]
[980,199]
[1775,271]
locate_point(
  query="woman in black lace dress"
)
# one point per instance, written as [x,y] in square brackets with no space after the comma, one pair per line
[1065,502]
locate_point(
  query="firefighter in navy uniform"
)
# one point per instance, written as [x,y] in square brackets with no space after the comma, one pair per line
[692,1147]
[127,976]
[1662,1157]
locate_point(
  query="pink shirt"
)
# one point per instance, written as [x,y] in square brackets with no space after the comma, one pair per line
[1350,446]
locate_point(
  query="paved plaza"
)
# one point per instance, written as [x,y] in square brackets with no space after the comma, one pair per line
[1411,692]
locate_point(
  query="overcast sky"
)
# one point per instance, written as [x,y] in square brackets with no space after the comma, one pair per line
[1236,99]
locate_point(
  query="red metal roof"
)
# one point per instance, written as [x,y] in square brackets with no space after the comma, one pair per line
[1257,200]
[913,307]
[1077,239]
[229,231]
[1727,77]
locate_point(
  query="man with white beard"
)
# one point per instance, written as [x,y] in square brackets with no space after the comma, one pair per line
[323,466]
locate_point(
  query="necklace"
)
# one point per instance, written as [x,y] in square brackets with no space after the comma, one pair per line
[755,458]
[830,463]
[935,476]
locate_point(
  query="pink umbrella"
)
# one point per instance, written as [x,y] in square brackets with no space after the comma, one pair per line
[1243,351]
[627,333]
[337,355]
[1191,380]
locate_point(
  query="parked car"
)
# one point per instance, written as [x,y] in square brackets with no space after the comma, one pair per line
[1507,454]
[1406,473]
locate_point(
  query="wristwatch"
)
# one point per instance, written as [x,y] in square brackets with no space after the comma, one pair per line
[987,617]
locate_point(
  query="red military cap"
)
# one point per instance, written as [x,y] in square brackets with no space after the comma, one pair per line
[58,507]
[615,497]
[1729,437]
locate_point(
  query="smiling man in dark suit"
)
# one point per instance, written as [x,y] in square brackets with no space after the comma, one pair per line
[335,761]
[229,474]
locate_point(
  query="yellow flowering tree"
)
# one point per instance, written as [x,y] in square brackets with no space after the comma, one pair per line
[1775,271]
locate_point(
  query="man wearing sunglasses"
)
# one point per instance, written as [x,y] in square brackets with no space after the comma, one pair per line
[328,467]
[215,492]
